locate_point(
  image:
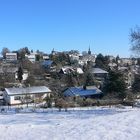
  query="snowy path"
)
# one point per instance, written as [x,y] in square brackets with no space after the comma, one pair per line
[94,124]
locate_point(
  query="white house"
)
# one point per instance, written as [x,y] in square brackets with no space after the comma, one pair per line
[31,57]
[21,95]
[74,57]
[46,57]
[85,58]
[99,74]
[11,56]
[125,61]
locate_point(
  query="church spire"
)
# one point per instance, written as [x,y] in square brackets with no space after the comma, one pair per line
[89,51]
[53,52]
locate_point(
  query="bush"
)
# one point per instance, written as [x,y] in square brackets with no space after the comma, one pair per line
[89,102]
[108,102]
[86,102]
[128,103]
[61,103]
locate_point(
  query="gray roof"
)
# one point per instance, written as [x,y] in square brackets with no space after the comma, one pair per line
[27,90]
[99,71]
[79,91]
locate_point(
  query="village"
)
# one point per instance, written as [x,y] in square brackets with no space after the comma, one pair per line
[69,70]
[67,79]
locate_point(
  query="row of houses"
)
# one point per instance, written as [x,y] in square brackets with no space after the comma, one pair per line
[75,56]
[38,94]
[13,57]
[82,59]
[21,95]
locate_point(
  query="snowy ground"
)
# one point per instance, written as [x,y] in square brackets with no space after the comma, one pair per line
[81,124]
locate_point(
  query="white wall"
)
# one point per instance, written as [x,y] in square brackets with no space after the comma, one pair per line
[13,101]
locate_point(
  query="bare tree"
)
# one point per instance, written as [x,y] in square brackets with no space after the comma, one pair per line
[135,40]
[4,51]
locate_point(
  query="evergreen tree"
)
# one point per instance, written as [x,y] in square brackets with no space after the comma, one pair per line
[89,79]
[20,73]
[115,83]
[102,61]
[136,84]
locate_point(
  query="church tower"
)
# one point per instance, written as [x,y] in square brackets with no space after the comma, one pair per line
[89,51]
[53,52]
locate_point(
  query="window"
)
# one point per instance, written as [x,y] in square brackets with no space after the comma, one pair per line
[17,98]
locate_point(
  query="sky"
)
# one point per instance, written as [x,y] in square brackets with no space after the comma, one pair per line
[69,25]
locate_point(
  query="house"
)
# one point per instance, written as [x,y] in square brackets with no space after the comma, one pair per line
[11,56]
[87,92]
[125,61]
[99,73]
[14,96]
[112,65]
[86,58]
[111,58]
[135,69]
[31,57]
[49,65]
[74,56]
[46,57]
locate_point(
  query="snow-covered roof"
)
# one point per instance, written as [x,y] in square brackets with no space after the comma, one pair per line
[45,57]
[47,63]
[27,90]
[11,53]
[112,64]
[98,70]
[80,71]
[69,69]
[80,91]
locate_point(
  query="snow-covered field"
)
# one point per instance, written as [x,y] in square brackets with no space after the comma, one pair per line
[96,123]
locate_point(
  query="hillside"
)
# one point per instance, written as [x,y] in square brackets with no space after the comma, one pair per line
[79,124]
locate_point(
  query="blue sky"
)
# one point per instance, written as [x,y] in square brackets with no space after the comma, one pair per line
[69,24]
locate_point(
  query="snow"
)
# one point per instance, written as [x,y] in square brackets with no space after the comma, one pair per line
[97,123]
[27,90]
